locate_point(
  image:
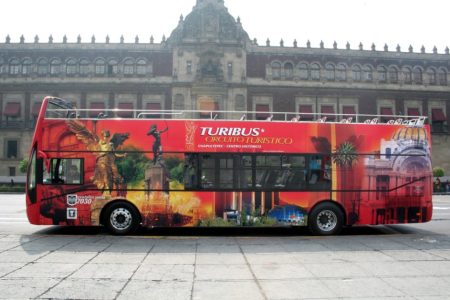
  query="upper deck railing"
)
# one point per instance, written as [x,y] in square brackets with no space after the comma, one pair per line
[61,109]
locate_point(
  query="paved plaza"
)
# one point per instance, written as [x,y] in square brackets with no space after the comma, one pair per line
[371,262]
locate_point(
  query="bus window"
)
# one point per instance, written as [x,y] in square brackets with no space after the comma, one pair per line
[64,171]
[31,176]
[59,110]
[314,169]
[218,171]
[208,172]
[319,172]
[244,173]
[268,168]
[295,167]
[326,168]
[226,172]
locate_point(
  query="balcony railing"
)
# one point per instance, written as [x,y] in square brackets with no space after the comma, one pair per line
[17,124]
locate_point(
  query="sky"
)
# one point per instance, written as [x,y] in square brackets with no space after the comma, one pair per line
[391,22]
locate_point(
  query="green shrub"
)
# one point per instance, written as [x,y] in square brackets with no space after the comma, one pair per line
[438,172]
[23,164]
[16,188]
[215,222]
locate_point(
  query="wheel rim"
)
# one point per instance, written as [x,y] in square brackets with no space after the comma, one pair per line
[121,218]
[326,220]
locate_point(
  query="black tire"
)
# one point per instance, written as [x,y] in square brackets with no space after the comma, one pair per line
[121,218]
[326,219]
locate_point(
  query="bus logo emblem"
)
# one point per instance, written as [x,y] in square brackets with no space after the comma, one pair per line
[71,200]
[72,213]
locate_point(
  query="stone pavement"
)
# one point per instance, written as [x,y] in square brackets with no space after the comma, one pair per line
[68,265]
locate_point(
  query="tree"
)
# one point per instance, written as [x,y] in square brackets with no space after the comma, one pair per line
[345,156]
[132,166]
[23,165]
[175,167]
[438,172]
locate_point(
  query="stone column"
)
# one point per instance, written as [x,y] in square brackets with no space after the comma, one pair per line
[27,111]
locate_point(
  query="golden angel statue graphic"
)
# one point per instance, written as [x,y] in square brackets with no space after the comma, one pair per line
[106,175]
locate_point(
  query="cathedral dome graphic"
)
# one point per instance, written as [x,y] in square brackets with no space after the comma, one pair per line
[418,134]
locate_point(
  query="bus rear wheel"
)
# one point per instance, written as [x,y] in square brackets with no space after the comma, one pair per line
[122,218]
[326,219]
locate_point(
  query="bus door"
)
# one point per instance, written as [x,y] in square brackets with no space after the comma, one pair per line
[32,203]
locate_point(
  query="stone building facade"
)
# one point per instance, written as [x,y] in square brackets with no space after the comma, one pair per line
[209,62]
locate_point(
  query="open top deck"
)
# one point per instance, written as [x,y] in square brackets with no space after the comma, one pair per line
[58,108]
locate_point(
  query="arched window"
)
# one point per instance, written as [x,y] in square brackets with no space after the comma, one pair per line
[432,79]
[393,75]
[55,67]
[26,66]
[367,73]
[356,73]
[100,66]
[42,68]
[141,67]
[113,68]
[128,67]
[276,70]
[388,153]
[330,72]
[84,67]
[382,74]
[71,67]
[303,71]
[341,72]
[442,74]
[407,75]
[288,70]
[14,67]
[417,74]
[315,71]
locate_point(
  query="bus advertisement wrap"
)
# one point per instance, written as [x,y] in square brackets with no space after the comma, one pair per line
[225,173]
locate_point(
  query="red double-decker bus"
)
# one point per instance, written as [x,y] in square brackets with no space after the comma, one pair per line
[189,168]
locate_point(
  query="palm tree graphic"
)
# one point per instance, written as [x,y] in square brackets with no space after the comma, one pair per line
[345,157]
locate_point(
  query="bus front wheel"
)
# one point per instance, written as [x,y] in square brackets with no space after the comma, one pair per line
[326,219]
[121,218]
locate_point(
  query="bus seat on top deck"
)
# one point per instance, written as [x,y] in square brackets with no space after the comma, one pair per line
[347,120]
[72,115]
[420,121]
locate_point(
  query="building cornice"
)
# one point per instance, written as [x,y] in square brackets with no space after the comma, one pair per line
[348,53]
[84,46]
